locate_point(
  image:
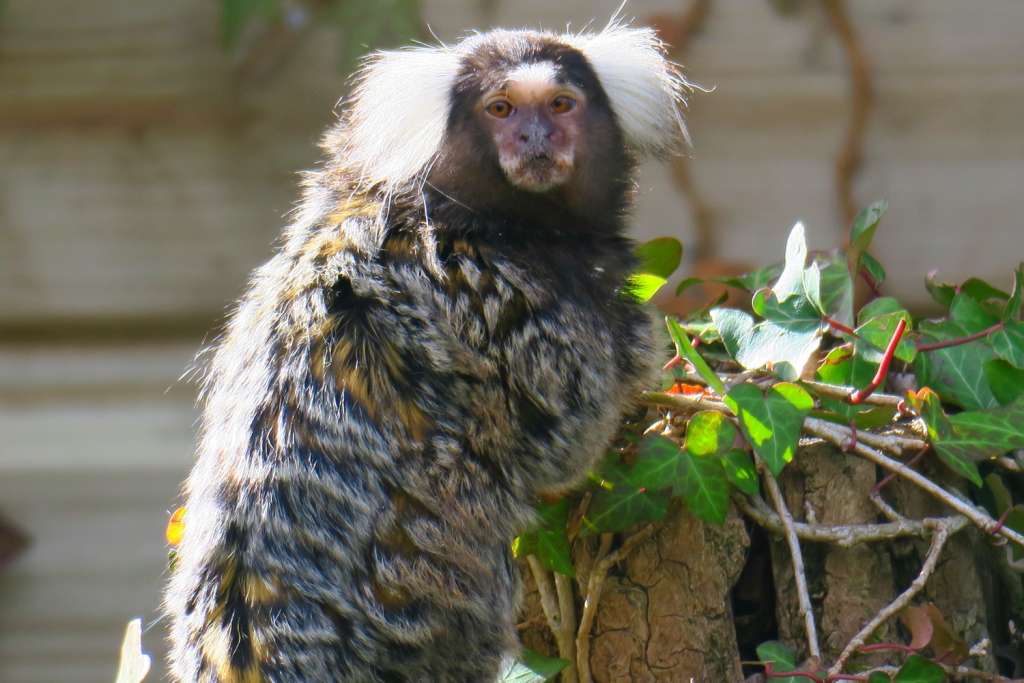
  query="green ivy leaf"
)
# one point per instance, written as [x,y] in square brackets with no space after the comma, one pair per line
[971,313]
[879,306]
[843,367]
[658,259]
[942,292]
[755,280]
[790,282]
[705,489]
[874,336]
[837,293]
[917,669]
[618,504]
[709,432]
[941,434]
[1012,309]
[548,541]
[784,341]
[685,349]
[862,232]
[1006,381]
[658,465]
[779,654]
[981,291]
[782,659]
[740,471]
[874,269]
[956,372]
[1008,343]
[1002,499]
[533,668]
[984,434]
[771,421]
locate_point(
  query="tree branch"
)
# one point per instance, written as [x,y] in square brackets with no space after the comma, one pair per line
[549,602]
[943,530]
[804,596]
[595,584]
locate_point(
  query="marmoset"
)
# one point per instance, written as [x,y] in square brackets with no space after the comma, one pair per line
[442,337]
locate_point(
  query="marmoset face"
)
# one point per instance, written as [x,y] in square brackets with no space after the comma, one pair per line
[536,122]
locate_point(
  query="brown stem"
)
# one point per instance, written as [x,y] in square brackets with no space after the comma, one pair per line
[946,343]
[793,541]
[595,584]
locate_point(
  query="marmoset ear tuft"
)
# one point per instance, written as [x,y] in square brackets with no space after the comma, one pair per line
[645,88]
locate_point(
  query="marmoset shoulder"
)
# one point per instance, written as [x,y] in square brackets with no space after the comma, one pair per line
[441,338]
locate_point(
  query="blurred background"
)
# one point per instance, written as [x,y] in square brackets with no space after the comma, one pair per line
[148,153]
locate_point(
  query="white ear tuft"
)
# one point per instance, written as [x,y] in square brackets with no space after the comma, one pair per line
[645,88]
[398,113]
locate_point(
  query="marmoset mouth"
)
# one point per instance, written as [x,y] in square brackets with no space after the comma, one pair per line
[540,173]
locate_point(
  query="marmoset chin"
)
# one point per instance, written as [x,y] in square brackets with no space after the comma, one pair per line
[441,338]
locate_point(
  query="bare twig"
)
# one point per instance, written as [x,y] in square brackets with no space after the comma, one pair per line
[550,603]
[943,530]
[842,393]
[842,535]
[1008,464]
[595,584]
[804,596]
[839,435]
[567,634]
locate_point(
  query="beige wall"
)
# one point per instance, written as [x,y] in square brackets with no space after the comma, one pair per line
[143,173]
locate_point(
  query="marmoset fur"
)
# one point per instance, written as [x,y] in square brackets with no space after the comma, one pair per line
[441,338]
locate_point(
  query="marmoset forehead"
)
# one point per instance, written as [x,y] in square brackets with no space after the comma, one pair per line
[528,59]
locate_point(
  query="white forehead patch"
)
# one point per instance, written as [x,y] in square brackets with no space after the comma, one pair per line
[534,73]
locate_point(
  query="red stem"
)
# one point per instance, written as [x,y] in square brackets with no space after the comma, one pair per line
[887,647]
[945,344]
[836,325]
[883,367]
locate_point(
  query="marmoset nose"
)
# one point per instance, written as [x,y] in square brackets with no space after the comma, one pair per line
[535,134]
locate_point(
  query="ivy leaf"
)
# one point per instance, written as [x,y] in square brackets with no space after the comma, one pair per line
[784,341]
[862,232]
[875,334]
[956,372]
[618,504]
[1008,343]
[837,293]
[917,669]
[754,280]
[771,421]
[709,432]
[874,269]
[1012,309]
[945,642]
[533,668]
[942,292]
[1006,381]
[779,654]
[782,660]
[685,349]
[981,291]
[740,471]
[940,431]
[970,313]
[658,259]
[658,465]
[843,367]
[705,489]
[790,282]
[1002,499]
[549,541]
[916,620]
[984,434]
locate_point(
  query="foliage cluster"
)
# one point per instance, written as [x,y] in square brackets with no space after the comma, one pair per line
[805,350]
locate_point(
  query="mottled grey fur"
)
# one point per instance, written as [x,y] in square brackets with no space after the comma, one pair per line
[398,384]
